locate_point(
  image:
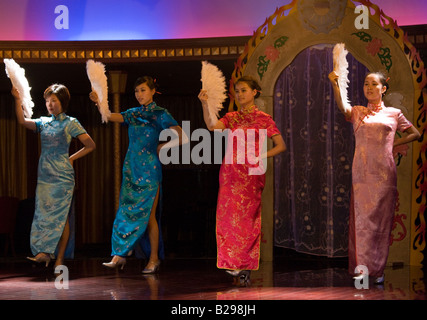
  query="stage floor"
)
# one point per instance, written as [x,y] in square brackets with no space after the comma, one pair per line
[199,279]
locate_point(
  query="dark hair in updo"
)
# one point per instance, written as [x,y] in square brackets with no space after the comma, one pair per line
[383,79]
[61,92]
[151,83]
[251,82]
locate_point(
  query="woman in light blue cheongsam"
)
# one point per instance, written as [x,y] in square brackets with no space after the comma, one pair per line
[50,230]
[141,177]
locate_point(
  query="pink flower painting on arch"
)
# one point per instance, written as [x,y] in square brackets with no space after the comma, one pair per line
[374,46]
[271,53]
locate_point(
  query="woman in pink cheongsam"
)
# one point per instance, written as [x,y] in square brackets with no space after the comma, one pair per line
[242,179]
[374,178]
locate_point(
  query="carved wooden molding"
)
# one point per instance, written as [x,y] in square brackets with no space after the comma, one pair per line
[123,51]
[417,35]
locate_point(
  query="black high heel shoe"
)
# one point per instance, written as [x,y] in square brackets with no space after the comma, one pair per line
[241,277]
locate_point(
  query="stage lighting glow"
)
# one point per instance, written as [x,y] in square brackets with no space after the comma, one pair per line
[62,20]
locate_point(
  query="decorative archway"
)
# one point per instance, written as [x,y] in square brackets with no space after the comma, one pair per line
[382,46]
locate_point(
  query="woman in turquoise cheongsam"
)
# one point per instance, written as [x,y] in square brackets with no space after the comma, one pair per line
[141,177]
[50,230]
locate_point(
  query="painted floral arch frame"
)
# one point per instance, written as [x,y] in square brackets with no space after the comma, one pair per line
[384,46]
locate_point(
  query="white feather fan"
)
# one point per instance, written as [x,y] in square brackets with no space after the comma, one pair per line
[16,75]
[99,83]
[341,68]
[213,81]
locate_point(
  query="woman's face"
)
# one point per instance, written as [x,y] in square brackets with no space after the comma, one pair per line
[244,94]
[144,94]
[53,105]
[373,88]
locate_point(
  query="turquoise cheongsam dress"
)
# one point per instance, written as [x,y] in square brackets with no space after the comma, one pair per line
[141,177]
[55,181]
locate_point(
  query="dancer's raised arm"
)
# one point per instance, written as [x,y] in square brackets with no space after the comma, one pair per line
[27,123]
[211,122]
[113,117]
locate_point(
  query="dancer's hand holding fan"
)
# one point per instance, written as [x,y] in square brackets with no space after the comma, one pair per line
[213,93]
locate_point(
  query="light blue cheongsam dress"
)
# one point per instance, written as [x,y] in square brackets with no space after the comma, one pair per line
[141,178]
[55,181]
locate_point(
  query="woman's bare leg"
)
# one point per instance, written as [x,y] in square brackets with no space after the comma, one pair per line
[153,232]
[62,245]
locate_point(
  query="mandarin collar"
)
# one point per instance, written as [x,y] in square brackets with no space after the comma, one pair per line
[376,107]
[248,110]
[149,107]
[59,117]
